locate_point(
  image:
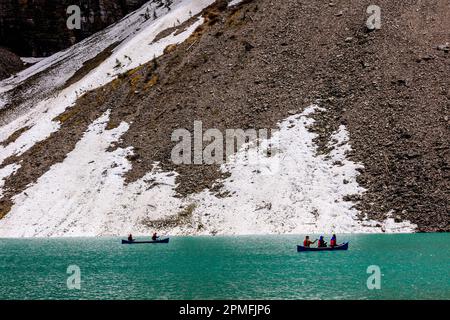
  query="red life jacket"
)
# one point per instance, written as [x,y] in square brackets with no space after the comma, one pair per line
[305,243]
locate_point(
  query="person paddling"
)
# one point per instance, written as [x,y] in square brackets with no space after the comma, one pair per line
[155,237]
[333,241]
[307,243]
[130,237]
[321,243]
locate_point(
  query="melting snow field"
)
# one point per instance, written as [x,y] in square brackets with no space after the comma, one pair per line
[293,191]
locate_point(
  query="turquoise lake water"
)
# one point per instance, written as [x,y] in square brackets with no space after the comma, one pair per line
[413,266]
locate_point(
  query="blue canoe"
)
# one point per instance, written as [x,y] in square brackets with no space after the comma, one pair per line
[343,246]
[165,240]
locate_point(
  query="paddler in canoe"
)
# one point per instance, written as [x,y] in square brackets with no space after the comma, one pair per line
[322,243]
[155,236]
[307,243]
[130,237]
[333,241]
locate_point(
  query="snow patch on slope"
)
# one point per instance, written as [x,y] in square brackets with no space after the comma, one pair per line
[302,195]
[31,60]
[294,191]
[234,3]
[86,195]
[64,196]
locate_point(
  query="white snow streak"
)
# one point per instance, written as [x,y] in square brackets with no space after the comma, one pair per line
[135,50]
[31,60]
[234,3]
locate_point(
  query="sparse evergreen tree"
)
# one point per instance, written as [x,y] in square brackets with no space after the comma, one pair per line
[147,14]
[118,64]
[154,63]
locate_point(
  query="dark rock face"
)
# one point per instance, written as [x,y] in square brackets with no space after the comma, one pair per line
[9,63]
[38,27]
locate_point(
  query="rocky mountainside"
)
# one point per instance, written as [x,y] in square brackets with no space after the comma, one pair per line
[38,28]
[363,116]
[9,63]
